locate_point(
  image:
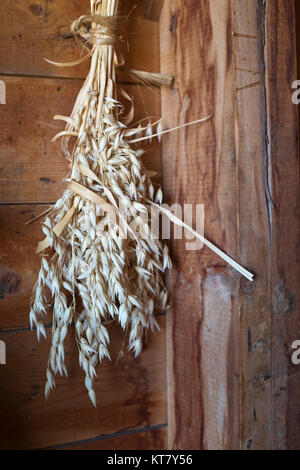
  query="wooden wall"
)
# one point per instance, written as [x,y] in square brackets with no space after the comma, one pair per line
[131,410]
[231,382]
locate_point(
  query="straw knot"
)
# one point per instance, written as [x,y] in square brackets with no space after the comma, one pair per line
[96,29]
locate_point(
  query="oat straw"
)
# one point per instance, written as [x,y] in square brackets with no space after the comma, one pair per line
[92,275]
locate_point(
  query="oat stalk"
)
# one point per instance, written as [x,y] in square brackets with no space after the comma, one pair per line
[93,275]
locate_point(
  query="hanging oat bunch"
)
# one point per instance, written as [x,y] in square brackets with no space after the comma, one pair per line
[104,265]
[106,259]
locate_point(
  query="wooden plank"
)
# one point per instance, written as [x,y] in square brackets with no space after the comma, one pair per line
[152,9]
[231,345]
[129,395]
[19,265]
[31,31]
[153,439]
[141,30]
[32,168]
[199,167]
[254,225]
[284,180]
[297,26]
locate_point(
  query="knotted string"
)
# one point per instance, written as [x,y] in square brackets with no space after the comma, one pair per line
[96,29]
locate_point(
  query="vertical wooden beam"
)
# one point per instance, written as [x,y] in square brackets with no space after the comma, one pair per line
[199,167]
[254,215]
[228,339]
[284,180]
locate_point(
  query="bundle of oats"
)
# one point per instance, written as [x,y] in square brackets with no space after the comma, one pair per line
[102,270]
[105,262]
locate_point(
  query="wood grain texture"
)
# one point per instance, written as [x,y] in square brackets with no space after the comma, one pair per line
[254,225]
[284,180]
[32,168]
[152,9]
[19,265]
[141,30]
[153,439]
[129,395]
[33,30]
[199,167]
[224,337]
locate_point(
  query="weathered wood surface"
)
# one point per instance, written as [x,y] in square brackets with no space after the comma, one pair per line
[19,265]
[284,181]
[199,167]
[152,9]
[32,168]
[227,340]
[254,225]
[154,439]
[32,31]
[130,394]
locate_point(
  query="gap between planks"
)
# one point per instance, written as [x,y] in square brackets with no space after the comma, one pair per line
[75,79]
[107,436]
[48,325]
